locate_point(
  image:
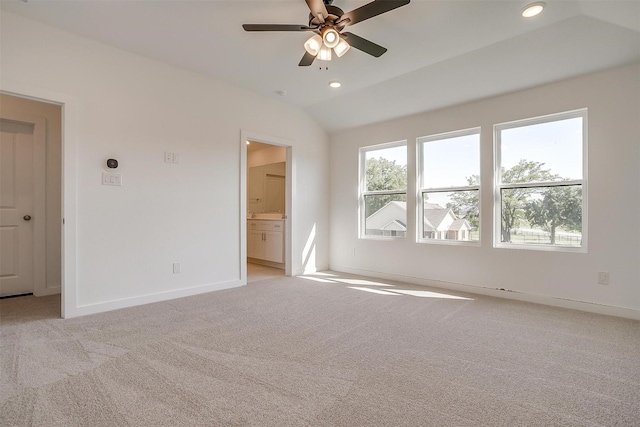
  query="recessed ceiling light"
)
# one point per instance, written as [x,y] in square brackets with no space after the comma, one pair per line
[335,84]
[248,142]
[533,9]
[281,92]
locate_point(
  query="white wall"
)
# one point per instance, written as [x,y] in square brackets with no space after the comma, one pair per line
[123,240]
[613,102]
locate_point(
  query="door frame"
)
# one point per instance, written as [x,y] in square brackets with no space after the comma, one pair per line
[38,257]
[246,135]
[70,108]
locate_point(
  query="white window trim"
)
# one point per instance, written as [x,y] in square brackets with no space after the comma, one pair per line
[497,173]
[362,190]
[419,175]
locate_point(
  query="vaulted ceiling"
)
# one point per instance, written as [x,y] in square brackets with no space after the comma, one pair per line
[440,53]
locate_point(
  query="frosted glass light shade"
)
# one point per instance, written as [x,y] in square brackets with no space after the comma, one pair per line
[341,48]
[324,54]
[313,45]
[330,38]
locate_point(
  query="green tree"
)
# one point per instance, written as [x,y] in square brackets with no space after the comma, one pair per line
[559,207]
[555,209]
[384,175]
[466,204]
[514,200]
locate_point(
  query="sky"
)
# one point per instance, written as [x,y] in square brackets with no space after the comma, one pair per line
[556,144]
[449,161]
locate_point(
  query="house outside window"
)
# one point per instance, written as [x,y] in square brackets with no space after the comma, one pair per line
[540,194]
[449,187]
[383,191]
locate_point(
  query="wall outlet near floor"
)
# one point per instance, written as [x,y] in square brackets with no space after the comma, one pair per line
[603,278]
[170,157]
[177,268]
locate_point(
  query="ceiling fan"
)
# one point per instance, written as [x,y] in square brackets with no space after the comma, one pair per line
[327,22]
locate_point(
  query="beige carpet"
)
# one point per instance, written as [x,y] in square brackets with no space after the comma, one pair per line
[329,350]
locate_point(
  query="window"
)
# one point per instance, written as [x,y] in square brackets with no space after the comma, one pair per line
[383,193]
[449,187]
[540,193]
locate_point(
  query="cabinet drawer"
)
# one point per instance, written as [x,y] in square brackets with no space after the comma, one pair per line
[276,226]
[265,225]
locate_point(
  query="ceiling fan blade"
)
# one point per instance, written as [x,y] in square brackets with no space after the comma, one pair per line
[318,9]
[364,45]
[276,27]
[306,60]
[369,10]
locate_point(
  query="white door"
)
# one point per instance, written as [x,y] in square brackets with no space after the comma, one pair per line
[16,206]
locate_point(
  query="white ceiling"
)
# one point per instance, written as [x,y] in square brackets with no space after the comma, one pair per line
[441,53]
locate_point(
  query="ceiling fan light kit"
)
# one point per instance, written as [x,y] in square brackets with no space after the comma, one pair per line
[327,22]
[325,54]
[313,45]
[341,48]
[330,37]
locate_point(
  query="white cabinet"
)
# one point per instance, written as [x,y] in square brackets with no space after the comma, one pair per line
[255,244]
[273,246]
[265,240]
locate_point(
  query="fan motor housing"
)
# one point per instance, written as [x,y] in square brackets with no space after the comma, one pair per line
[334,14]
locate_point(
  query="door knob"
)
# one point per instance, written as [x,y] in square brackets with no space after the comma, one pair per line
[27,217]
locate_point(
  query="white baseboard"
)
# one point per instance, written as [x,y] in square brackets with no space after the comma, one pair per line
[608,310]
[302,272]
[146,299]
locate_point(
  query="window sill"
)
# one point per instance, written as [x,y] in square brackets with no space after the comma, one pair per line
[542,248]
[445,242]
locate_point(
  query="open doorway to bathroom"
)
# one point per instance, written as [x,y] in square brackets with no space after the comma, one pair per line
[266,207]
[30,205]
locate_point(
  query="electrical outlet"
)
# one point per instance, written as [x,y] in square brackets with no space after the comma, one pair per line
[168,157]
[177,268]
[603,278]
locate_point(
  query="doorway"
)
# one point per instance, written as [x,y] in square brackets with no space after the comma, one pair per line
[266,190]
[30,197]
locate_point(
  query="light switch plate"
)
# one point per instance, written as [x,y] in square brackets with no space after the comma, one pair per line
[111,179]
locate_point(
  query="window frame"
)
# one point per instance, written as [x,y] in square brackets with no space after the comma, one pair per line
[363,193]
[499,186]
[420,142]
